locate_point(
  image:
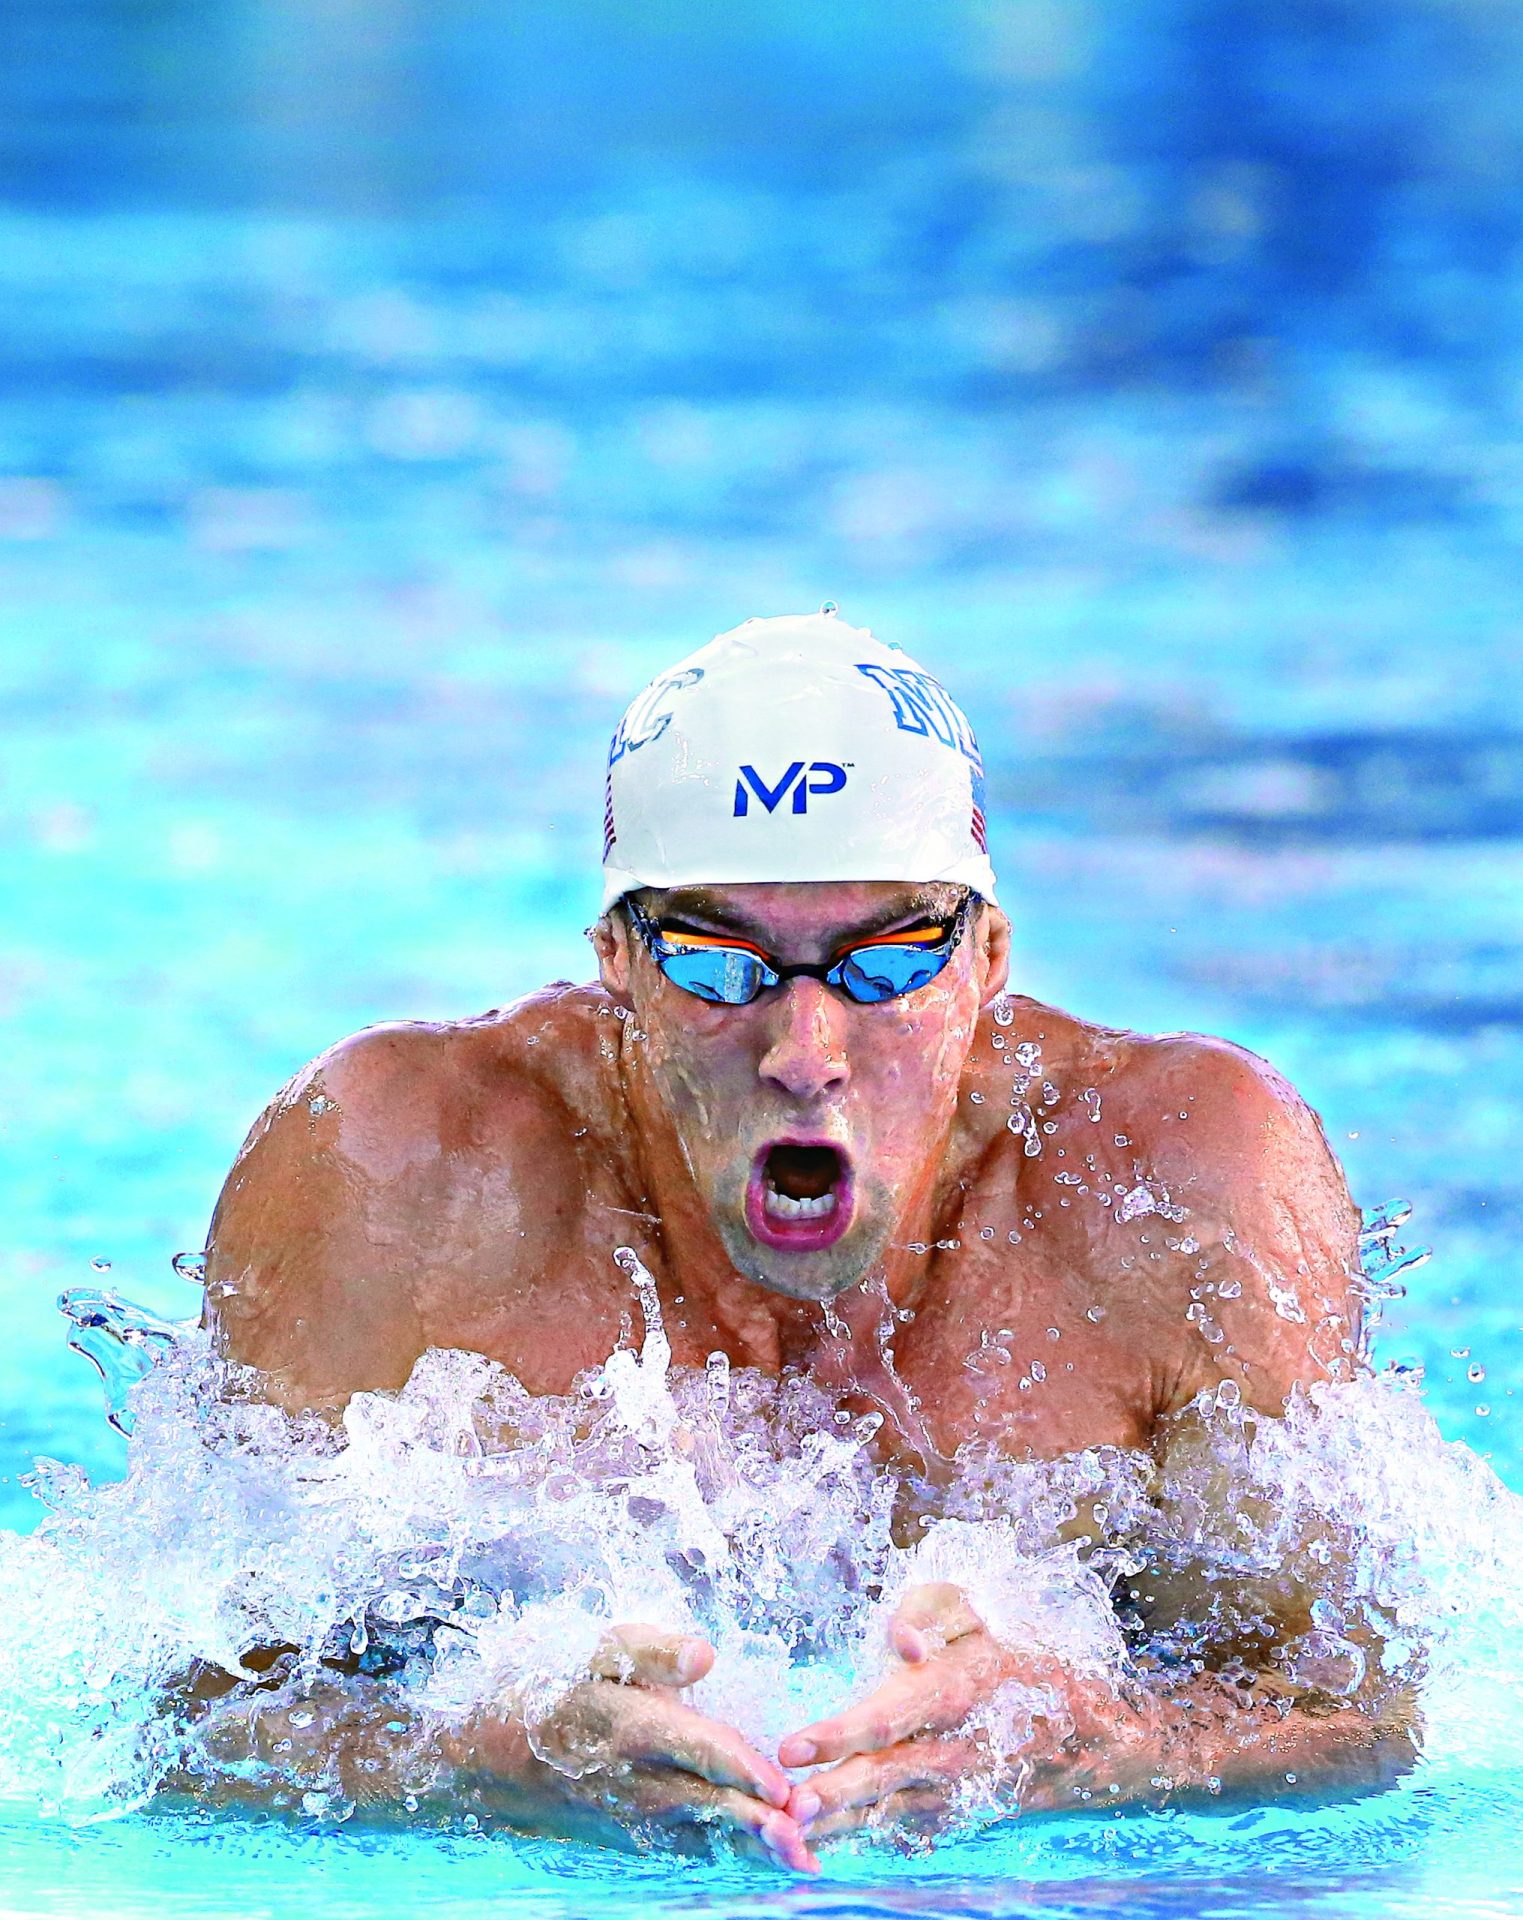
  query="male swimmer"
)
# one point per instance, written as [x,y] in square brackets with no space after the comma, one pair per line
[817,1122]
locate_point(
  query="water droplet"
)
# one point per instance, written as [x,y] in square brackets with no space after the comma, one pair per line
[1013,1237]
[1049,1126]
[1475,1373]
[320,1103]
[1004,1013]
[1053,1334]
[976,1097]
[986,1233]
[1122,1140]
[1097,1314]
[191,1267]
[828,609]
[98,1265]
[1455,1353]
[1038,1371]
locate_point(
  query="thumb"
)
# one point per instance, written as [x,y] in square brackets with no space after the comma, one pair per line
[930,1617]
[645,1656]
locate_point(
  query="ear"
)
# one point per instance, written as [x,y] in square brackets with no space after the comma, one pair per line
[610,942]
[994,954]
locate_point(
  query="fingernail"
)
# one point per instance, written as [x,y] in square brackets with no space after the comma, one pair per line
[806,1805]
[797,1753]
[773,1832]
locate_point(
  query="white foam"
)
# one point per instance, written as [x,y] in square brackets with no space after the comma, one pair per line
[726,1503]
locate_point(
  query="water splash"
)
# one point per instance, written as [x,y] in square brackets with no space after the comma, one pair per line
[462,1538]
[123,1342]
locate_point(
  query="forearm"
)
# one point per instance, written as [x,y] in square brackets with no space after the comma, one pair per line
[1206,1737]
[344,1744]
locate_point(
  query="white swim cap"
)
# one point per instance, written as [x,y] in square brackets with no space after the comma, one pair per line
[794,749]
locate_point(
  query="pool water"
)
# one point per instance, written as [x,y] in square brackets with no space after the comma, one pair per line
[389,390]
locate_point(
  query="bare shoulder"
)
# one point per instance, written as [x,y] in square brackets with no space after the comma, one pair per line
[1268,1295]
[1187,1177]
[373,1174]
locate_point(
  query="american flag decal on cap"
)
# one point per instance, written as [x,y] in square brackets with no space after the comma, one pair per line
[608,833]
[980,830]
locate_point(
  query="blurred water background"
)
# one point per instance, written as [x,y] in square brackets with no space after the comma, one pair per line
[387,388]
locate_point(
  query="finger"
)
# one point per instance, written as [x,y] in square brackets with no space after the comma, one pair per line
[866,1780]
[675,1800]
[918,1809]
[932,1696]
[929,1617]
[639,1655]
[662,1731]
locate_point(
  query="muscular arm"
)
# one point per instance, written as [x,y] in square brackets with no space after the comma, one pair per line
[1250,1242]
[410,1188]
[311,1275]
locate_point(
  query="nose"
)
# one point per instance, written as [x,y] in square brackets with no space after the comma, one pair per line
[806,1052]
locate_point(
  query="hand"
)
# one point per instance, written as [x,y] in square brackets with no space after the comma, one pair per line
[898,1757]
[620,1750]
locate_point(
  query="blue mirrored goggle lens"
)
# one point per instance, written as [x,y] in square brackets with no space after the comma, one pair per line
[871,974]
[731,977]
[727,976]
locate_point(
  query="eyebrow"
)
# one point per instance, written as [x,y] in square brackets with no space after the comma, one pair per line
[689,912]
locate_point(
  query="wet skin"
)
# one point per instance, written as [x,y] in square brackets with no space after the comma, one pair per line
[466,1185]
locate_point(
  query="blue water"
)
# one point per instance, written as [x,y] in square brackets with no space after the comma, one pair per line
[387,390]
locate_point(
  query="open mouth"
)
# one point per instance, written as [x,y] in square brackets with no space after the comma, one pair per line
[800,1195]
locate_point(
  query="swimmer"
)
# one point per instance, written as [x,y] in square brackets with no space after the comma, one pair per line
[804,1092]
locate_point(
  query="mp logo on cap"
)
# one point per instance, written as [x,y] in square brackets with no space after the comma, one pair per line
[822,776]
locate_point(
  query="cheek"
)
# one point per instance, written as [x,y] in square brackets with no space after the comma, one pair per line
[699,1058]
[911,1073]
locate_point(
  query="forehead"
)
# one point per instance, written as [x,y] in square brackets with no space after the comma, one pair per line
[820,910]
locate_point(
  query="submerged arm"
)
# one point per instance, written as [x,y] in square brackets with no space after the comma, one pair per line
[615,1756]
[1261,1303]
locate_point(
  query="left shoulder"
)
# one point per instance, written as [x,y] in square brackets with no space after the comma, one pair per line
[1211,1112]
[1231,1153]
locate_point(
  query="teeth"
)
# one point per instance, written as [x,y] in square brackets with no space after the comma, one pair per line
[787,1208]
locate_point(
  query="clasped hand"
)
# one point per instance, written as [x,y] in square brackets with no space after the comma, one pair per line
[627,1745]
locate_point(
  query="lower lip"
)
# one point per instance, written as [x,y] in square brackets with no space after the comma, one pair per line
[796,1236]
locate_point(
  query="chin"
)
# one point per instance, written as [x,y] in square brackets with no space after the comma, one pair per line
[819,1274]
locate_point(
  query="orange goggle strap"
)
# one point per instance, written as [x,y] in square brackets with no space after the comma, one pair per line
[927,935]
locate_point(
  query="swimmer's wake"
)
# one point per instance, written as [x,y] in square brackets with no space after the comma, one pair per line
[462,1540]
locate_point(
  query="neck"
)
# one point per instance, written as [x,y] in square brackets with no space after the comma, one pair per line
[753,1324]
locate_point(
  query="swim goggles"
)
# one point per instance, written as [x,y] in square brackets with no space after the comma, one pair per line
[730,972]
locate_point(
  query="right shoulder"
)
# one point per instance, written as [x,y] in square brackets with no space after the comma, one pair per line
[390,1099]
[375,1167]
